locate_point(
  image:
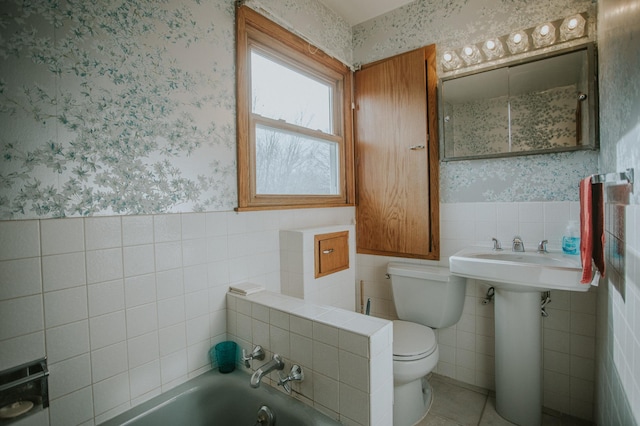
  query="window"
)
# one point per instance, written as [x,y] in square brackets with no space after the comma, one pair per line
[294,120]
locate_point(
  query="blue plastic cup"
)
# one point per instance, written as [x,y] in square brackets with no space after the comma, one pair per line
[226,356]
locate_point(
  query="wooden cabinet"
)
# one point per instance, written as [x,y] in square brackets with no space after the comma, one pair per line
[331,253]
[396,137]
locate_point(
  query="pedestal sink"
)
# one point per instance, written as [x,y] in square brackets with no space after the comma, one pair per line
[518,279]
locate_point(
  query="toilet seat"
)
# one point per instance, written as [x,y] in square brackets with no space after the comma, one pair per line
[412,341]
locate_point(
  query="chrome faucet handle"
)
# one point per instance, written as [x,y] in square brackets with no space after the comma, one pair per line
[518,244]
[542,246]
[256,353]
[296,374]
[496,244]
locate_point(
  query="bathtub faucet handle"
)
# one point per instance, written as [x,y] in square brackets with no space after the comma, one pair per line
[257,353]
[296,374]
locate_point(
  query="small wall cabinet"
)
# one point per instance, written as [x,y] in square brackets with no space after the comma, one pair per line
[331,253]
[317,265]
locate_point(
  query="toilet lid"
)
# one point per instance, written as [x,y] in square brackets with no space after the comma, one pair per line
[412,341]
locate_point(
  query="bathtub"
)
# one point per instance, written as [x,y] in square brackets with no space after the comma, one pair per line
[222,400]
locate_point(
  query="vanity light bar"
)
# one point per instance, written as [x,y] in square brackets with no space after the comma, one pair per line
[544,35]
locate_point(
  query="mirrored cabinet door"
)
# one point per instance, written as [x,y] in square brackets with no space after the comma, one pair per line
[547,104]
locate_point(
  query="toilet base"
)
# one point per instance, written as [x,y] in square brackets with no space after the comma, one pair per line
[411,402]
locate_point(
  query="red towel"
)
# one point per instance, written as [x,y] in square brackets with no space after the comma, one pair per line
[591,228]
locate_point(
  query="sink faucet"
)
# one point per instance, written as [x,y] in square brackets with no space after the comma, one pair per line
[542,246]
[276,363]
[518,245]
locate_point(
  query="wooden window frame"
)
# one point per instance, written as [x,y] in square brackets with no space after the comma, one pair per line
[255,31]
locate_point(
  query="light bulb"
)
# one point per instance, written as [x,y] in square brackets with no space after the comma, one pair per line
[572,27]
[450,61]
[468,51]
[493,49]
[544,35]
[518,42]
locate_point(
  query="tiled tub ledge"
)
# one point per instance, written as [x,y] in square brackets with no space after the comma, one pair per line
[346,356]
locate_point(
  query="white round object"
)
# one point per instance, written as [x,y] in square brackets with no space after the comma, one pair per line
[412,341]
[16,409]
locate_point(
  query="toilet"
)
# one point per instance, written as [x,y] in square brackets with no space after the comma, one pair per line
[425,297]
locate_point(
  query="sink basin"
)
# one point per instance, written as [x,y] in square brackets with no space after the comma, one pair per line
[518,271]
[518,278]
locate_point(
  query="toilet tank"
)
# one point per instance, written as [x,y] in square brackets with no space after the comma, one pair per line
[427,295]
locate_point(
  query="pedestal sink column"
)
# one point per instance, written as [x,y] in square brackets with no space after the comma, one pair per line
[518,356]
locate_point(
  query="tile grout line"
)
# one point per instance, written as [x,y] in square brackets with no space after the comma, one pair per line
[484,408]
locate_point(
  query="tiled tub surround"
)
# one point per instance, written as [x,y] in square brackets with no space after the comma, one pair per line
[346,357]
[467,349]
[126,307]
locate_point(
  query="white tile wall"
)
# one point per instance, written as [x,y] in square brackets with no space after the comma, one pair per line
[348,367]
[618,322]
[467,349]
[58,269]
[126,307]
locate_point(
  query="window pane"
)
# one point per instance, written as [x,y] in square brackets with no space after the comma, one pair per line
[281,93]
[289,163]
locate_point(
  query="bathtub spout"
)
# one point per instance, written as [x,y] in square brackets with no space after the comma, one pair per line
[275,364]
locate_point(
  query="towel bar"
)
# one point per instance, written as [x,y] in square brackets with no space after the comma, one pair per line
[627,176]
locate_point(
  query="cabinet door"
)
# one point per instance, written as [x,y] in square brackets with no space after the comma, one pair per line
[331,253]
[397,156]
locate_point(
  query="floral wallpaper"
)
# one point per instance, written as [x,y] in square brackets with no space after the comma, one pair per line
[451,24]
[125,107]
[312,21]
[547,177]
[619,80]
[116,107]
[477,127]
[539,120]
[545,119]
[129,107]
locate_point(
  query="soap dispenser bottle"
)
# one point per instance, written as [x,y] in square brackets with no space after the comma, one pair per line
[571,239]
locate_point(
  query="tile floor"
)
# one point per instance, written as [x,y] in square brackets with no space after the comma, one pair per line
[458,404]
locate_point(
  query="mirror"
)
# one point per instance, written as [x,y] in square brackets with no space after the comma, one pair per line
[546,104]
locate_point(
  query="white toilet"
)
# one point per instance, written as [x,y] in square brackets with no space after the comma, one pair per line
[425,297]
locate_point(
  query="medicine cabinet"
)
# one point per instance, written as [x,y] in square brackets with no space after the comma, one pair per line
[543,104]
